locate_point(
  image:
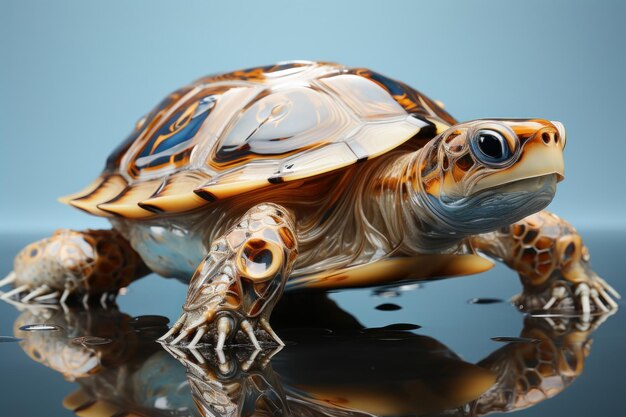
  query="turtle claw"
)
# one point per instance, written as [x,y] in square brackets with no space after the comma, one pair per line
[43,294]
[196,338]
[265,325]
[591,296]
[182,332]
[14,291]
[223,328]
[558,293]
[179,323]
[598,302]
[607,287]
[219,332]
[21,306]
[9,279]
[247,327]
[583,293]
[31,293]
[27,295]
[36,293]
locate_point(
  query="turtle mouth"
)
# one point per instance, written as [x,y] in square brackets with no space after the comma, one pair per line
[537,188]
[512,201]
[533,184]
[540,184]
[496,206]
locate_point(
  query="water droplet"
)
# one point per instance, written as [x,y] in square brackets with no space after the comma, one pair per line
[507,339]
[388,307]
[7,339]
[485,300]
[389,291]
[400,327]
[555,315]
[148,321]
[40,327]
[386,293]
[408,287]
[91,341]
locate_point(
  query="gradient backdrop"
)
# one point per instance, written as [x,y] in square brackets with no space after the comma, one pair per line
[74,78]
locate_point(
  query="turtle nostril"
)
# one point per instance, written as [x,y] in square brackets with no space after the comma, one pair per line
[559,135]
[545,136]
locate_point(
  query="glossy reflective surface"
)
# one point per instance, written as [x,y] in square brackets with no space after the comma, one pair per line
[425,349]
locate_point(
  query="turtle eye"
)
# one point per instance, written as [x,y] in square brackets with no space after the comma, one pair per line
[490,147]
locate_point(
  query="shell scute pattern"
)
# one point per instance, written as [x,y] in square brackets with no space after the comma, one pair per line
[410,99]
[143,125]
[233,133]
[175,133]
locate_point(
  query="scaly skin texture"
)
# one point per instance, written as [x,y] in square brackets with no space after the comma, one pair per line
[553,264]
[76,264]
[241,279]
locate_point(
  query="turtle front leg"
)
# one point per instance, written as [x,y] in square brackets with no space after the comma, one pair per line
[553,264]
[239,282]
[85,265]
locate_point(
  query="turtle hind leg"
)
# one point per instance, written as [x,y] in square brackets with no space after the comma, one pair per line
[553,264]
[79,265]
[234,289]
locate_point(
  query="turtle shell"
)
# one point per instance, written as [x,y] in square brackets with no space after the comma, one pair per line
[232,133]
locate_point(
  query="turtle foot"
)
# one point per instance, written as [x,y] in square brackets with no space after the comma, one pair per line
[27,294]
[73,266]
[591,295]
[191,331]
[235,288]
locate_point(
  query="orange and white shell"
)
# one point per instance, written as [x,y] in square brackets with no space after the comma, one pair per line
[229,134]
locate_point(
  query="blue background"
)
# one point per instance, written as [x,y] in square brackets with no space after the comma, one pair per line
[74,78]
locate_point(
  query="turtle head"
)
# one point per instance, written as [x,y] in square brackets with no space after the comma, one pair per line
[484,174]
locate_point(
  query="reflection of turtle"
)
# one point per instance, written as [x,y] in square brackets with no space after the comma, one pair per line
[314,175]
[334,367]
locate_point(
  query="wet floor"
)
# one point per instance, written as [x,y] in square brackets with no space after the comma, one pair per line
[450,347]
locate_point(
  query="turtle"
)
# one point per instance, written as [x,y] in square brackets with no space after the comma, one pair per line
[313,175]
